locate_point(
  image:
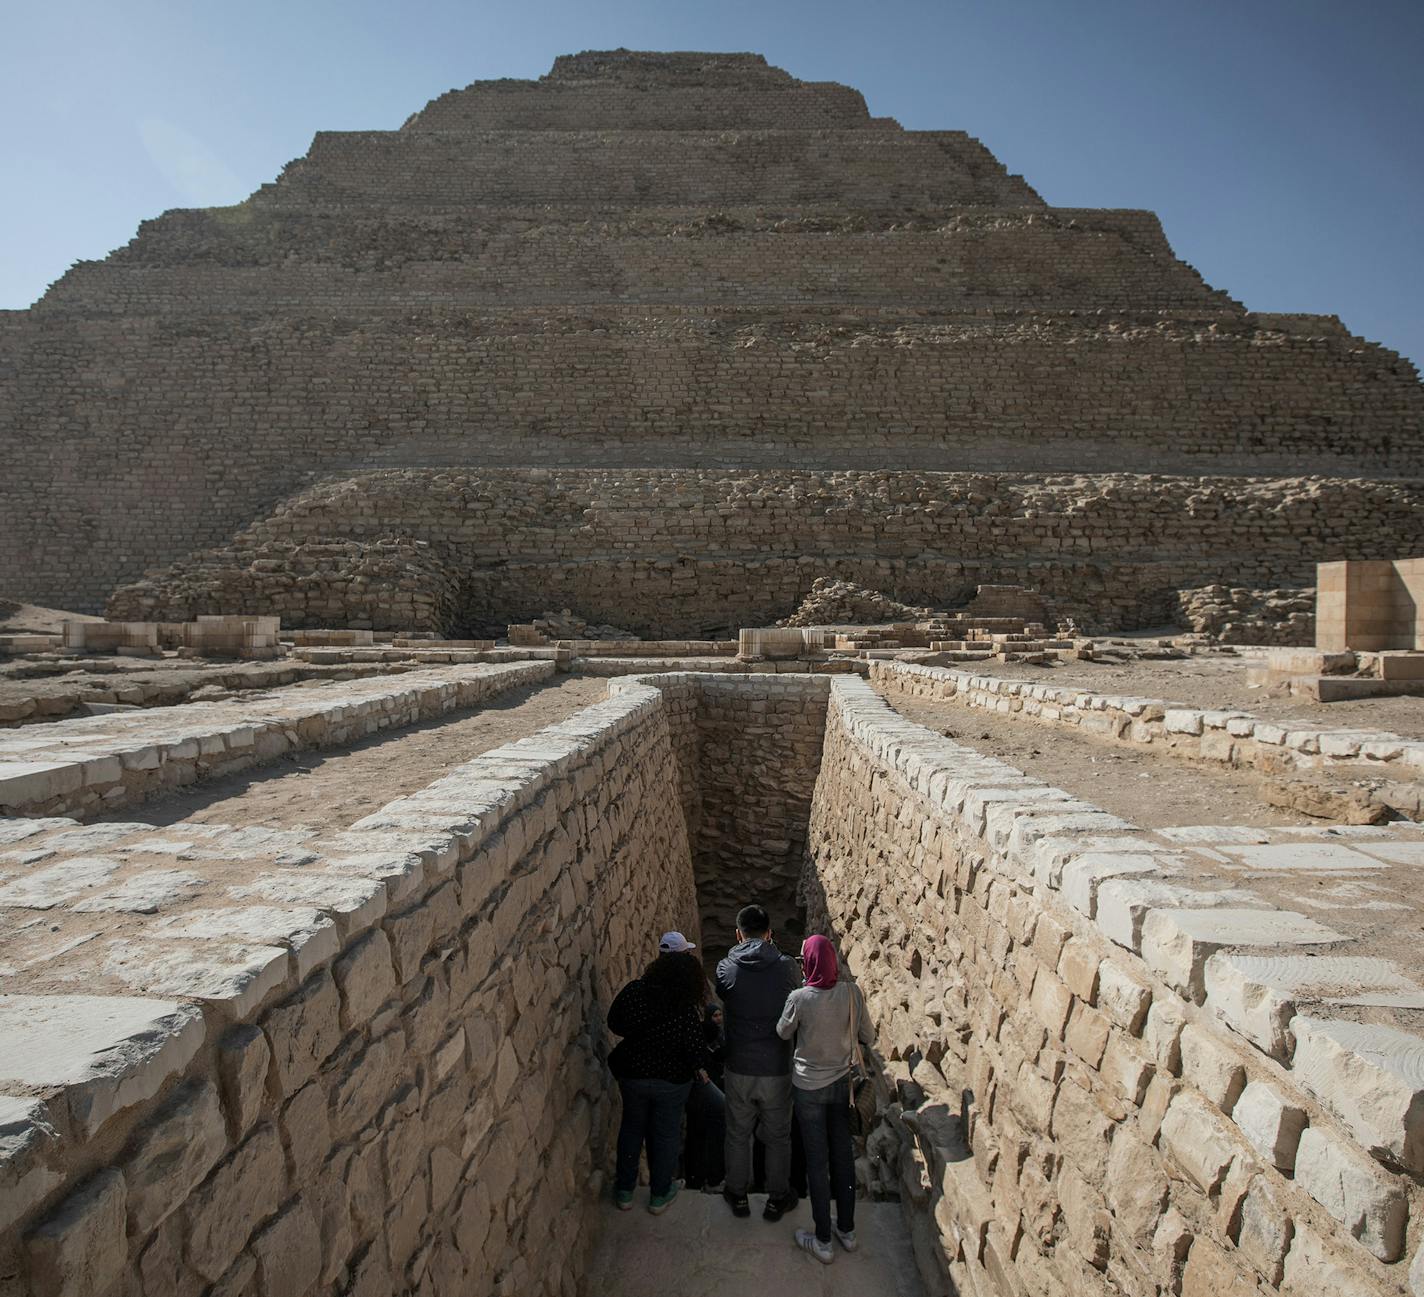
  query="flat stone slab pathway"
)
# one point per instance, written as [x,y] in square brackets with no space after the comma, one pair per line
[699,1249]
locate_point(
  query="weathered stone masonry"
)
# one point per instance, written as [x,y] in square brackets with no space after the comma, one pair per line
[1094,1091]
[416,1105]
[1095,1102]
[687,261]
[686,552]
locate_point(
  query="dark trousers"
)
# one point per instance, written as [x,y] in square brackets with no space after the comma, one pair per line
[652,1114]
[823,1117]
[703,1160]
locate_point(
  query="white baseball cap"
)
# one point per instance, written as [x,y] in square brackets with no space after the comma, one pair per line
[674,943]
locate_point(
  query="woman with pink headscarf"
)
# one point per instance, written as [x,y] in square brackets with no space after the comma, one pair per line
[819,1017]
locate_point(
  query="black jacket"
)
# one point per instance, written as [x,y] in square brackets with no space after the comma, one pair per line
[753,983]
[658,1044]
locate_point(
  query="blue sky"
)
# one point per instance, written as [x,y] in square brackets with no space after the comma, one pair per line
[1281,141]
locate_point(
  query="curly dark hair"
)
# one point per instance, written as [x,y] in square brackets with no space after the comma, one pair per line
[680,979]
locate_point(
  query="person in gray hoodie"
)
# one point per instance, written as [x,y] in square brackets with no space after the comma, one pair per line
[753,982]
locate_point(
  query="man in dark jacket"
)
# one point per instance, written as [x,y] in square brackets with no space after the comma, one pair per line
[753,982]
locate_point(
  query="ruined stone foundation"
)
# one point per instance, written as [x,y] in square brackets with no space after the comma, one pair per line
[360,388]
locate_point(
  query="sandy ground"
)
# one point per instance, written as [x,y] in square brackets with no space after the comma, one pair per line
[1218,681]
[31,619]
[1150,790]
[335,788]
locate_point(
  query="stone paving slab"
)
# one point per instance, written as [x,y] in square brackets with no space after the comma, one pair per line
[102,763]
[698,1249]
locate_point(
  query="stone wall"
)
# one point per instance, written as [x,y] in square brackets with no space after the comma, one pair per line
[749,747]
[685,553]
[101,764]
[406,1095]
[1389,766]
[1089,1098]
[344,259]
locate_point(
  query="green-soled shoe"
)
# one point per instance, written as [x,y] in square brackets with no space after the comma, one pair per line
[659,1203]
[623,1199]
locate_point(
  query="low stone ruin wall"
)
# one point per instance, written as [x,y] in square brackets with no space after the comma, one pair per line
[685,552]
[101,763]
[405,1091]
[1221,737]
[1092,1095]
[53,700]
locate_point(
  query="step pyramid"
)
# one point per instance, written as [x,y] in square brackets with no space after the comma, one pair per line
[662,338]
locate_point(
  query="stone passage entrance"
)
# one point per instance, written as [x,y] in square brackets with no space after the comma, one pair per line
[1113,1059]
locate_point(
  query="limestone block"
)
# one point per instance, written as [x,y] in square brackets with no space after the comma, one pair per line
[144,893]
[303,1030]
[44,889]
[1304,857]
[107,1052]
[231,978]
[1354,1190]
[1082,1131]
[366,978]
[1123,906]
[1314,1267]
[1263,1230]
[1136,1187]
[1176,943]
[1126,1068]
[367,1083]
[224,1210]
[1078,967]
[1162,1036]
[288,1253]
[1271,1125]
[1371,1077]
[24,783]
[309,934]
[306,1132]
[1196,1140]
[1212,1272]
[1210,1066]
[1181,720]
[171,1154]
[354,903]
[410,935]
[243,1060]
[29,1145]
[1051,1001]
[1122,997]
[80,1250]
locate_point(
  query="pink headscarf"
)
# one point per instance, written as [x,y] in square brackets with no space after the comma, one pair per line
[820,961]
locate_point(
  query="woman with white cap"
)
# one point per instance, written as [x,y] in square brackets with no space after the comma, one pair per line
[664,1047]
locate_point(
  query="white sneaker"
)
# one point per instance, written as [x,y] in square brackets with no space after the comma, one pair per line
[846,1238]
[806,1239]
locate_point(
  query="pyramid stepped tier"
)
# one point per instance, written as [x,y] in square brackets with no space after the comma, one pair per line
[966,259]
[677,261]
[662,92]
[582,168]
[685,552]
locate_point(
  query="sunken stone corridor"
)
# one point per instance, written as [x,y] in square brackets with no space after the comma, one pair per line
[833,441]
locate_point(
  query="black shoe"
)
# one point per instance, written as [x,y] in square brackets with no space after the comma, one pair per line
[737,1202]
[776,1208]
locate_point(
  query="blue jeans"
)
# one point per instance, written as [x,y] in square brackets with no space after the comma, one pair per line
[824,1119]
[652,1112]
